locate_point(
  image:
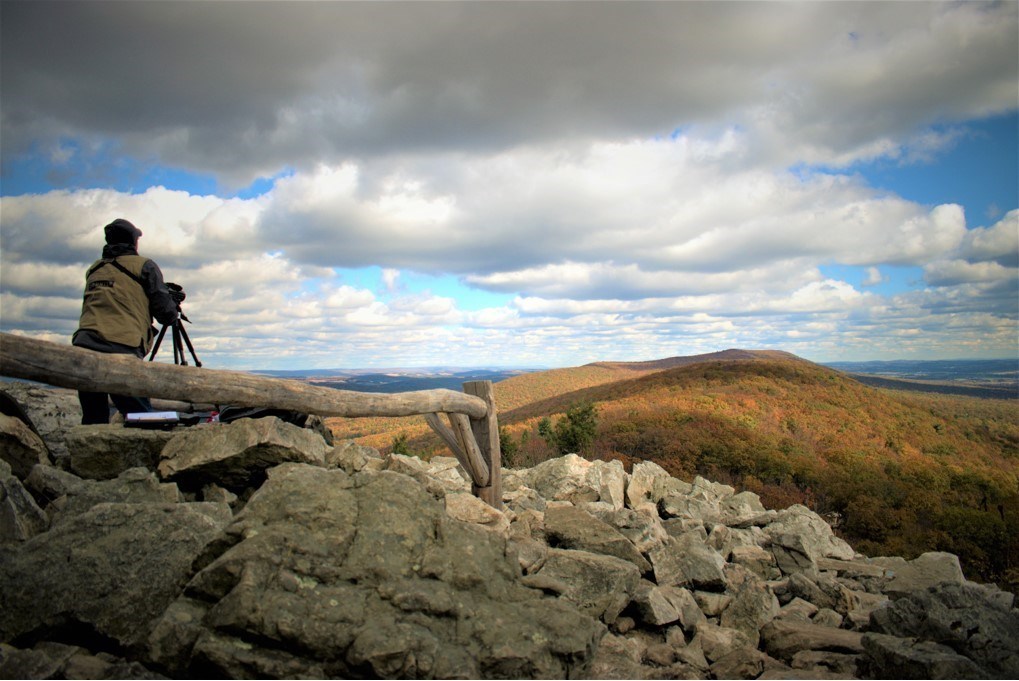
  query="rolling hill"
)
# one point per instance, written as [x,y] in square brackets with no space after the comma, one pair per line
[898,473]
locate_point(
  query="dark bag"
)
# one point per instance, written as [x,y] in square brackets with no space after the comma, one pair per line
[228,414]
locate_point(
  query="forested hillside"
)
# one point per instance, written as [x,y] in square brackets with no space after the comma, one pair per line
[897,473]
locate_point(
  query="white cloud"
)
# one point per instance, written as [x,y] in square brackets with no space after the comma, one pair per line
[357,79]
[629,183]
[873,276]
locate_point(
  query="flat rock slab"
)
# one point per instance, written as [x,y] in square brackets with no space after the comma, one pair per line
[237,455]
[102,452]
[784,638]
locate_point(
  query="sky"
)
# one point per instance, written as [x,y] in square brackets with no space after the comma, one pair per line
[522,184]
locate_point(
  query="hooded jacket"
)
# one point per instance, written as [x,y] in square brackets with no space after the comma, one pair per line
[123,292]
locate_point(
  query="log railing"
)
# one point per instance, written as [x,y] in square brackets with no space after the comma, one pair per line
[472,436]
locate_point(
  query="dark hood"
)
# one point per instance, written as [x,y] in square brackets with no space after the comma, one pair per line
[116,250]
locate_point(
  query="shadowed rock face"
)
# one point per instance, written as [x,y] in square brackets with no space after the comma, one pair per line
[257,549]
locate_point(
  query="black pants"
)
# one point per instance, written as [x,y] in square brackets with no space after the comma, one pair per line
[95,407]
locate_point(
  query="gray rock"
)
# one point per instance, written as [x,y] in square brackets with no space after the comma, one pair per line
[832,663]
[352,457]
[688,561]
[717,642]
[617,657]
[929,569]
[753,605]
[102,452]
[739,508]
[20,517]
[449,474]
[599,585]
[237,455]
[20,446]
[830,596]
[567,478]
[965,617]
[612,479]
[51,660]
[712,604]
[653,606]
[53,412]
[645,531]
[114,569]
[375,580]
[703,511]
[470,509]
[649,483]
[864,605]
[48,483]
[690,614]
[757,560]
[133,486]
[798,609]
[745,663]
[800,538]
[889,657]
[783,638]
[793,554]
[572,528]
[828,618]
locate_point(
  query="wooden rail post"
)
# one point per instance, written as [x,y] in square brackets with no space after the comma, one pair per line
[486,433]
[474,438]
[70,367]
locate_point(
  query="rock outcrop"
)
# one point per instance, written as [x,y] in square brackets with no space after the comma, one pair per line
[257,549]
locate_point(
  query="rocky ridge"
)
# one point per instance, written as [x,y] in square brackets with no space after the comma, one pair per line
[261,549]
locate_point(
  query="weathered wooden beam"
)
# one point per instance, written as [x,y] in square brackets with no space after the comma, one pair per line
[476,466]
[486,433]
[69,367]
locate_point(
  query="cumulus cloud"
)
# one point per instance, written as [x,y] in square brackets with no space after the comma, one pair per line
[320,82]
[670,177]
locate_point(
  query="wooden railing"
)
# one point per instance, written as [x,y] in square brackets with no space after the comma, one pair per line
[472,434]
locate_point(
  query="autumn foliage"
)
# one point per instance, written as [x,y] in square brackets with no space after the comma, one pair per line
[896,473]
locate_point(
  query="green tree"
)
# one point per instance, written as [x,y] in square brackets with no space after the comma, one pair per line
[400,445]
[508,447]
[574,432]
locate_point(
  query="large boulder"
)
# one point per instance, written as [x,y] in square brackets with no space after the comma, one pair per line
[52,412]
[783,638]
[71,496]
[569,527]
[890,657]
[927,570]
[599,585]
[109,572]
[687,561]
[374,579]
[102,452]
[649,483]
[800,538]
[575,479]
[237,455]
[968,618]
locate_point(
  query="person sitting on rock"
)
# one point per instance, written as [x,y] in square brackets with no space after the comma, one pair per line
[123,292]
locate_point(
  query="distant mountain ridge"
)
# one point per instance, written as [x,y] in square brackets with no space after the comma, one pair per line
[685,360]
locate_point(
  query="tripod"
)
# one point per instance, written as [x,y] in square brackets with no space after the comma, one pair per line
[180,337]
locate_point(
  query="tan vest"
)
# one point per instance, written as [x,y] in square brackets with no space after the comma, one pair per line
[116,306]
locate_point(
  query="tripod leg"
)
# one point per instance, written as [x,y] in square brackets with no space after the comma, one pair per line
[187,339]
[178,348]
[159,340]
